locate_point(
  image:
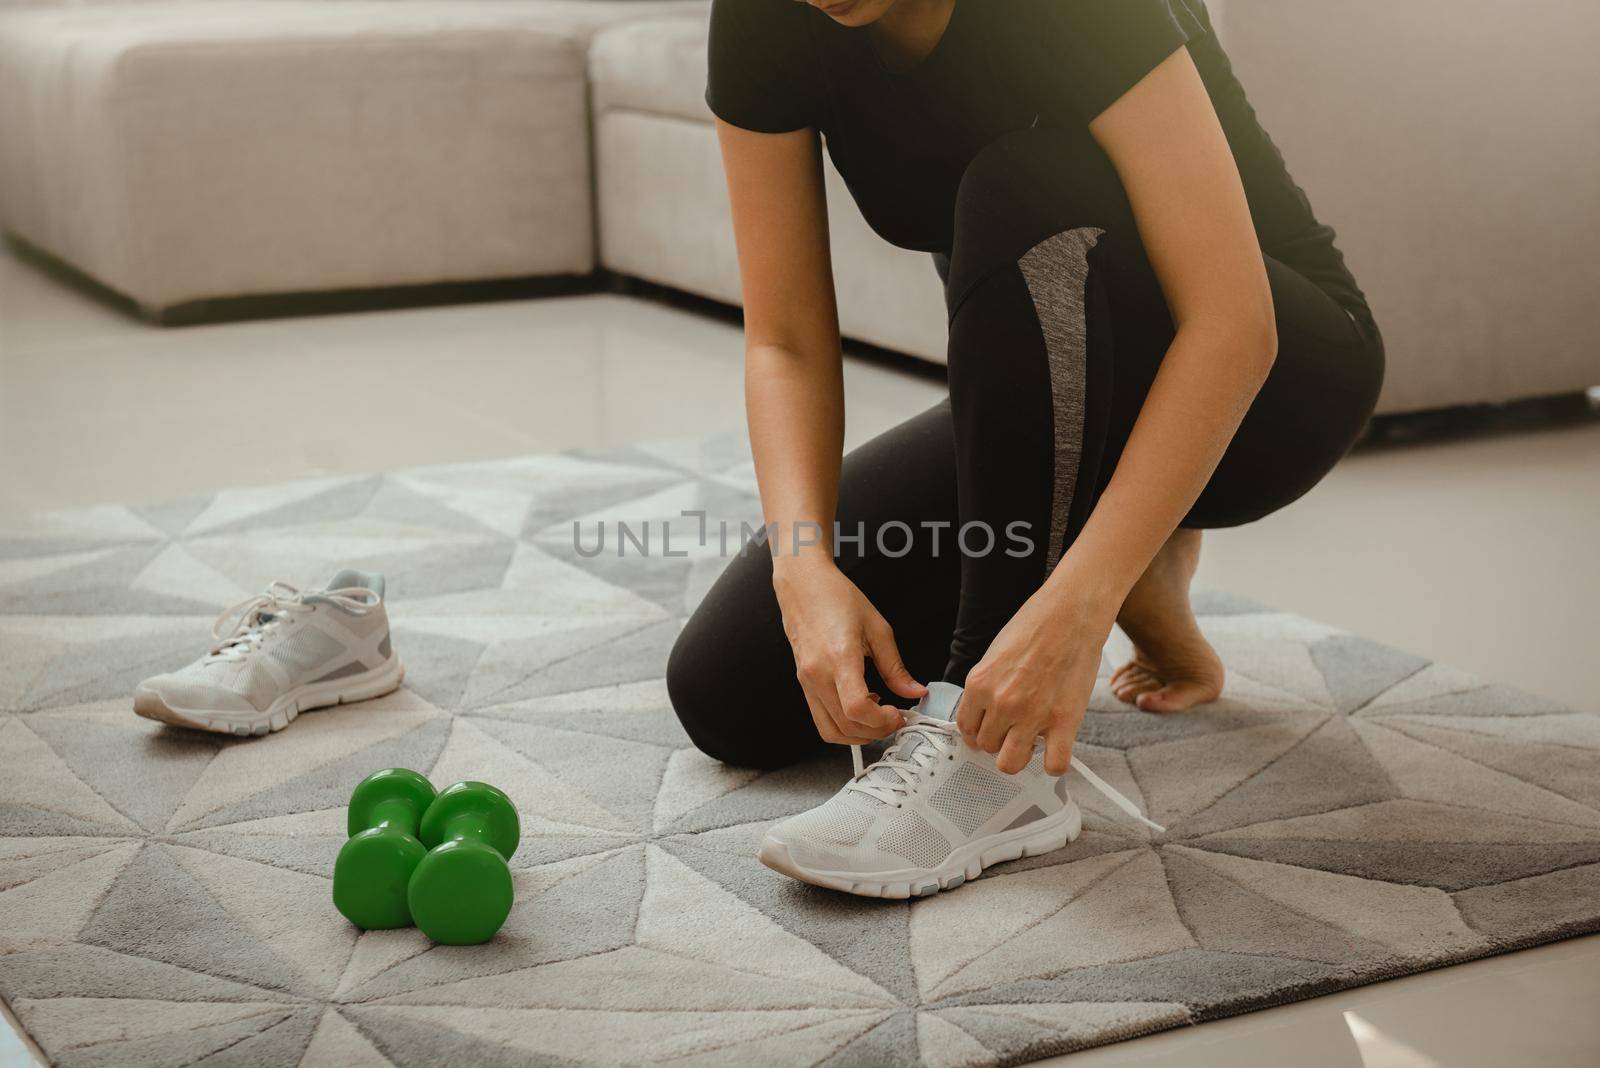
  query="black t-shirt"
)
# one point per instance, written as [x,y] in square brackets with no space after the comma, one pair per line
[902,140]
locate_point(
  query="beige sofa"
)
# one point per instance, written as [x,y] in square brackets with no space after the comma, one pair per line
[180,150]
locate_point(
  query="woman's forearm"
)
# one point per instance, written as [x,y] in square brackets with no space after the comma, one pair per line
[795,406]
[1205,385]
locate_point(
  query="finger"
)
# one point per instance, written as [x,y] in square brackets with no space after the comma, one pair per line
[1174,697]
[970,712]
[823,698]
[1016,751]
[824,688]
[1057,749]
[829,730]
[826,729]
[859,712]
[997,723]
[886,658]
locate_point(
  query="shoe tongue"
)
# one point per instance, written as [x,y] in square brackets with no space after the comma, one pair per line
[940,701]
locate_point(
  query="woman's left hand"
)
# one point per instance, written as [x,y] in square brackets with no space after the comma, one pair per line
[1035,679]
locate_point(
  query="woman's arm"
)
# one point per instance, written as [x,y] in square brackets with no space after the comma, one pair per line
[794,395]
[1168,146]
[794,384]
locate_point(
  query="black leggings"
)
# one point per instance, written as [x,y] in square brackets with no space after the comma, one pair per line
[1057,328]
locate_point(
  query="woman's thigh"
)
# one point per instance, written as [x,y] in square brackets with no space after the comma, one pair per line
[1032,184]
[1311,409]
[732,676]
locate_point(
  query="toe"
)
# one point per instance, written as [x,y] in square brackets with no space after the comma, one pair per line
[1174,697]
[1134,683]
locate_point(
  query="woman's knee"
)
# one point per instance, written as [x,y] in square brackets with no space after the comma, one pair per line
[730,675]
[701,697]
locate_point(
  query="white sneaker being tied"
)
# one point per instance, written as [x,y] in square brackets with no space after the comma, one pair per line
[929,815]
[279,654]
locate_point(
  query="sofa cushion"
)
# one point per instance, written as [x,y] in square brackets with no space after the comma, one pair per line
[656,66]
[239,147]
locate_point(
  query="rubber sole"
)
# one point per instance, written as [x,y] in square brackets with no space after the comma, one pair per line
[282,712]
[1054,832]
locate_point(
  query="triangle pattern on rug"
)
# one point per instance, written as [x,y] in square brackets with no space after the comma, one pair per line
[1357,670]
[52,908]
[175,572]
[1408,920]
[25,859]
[246,769]
[306,842]
[944,1045]
[687,914]
[629,653]
[338,1041]
[100,585]
[473,753]
[1425,772]
[632,770]
[951,931]
[588,908]
[869,937]
[142,768]
[157,910]
[633,711]
[1190,775]
[1330,768]
[1228,917]
[290,505]
[1127,915]
[260,897]
[107,663]
[1564,768]
[39,794]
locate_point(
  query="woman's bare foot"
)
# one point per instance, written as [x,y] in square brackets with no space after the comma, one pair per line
[1173,668]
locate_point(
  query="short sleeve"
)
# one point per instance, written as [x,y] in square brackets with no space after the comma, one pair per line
[762,71]
[1106,47]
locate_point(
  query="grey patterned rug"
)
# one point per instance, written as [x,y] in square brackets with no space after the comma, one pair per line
[1347,813]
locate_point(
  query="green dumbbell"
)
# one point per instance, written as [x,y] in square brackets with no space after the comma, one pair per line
[461,892]
[373,872]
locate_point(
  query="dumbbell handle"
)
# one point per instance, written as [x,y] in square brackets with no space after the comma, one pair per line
[396,813]
[469,826]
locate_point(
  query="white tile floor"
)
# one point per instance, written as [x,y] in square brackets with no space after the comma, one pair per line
[1479,553]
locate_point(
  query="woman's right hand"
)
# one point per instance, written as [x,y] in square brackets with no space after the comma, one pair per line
[833,628]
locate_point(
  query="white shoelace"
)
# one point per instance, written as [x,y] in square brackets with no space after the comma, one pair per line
[239,630]
[920,742]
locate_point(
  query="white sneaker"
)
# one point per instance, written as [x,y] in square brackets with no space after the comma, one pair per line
[931,814]
[279,654]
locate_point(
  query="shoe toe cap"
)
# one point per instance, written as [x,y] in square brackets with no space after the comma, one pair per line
[176,692]
[785,853]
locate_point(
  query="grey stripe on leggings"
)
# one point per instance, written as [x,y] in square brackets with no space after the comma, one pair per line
[1057,272]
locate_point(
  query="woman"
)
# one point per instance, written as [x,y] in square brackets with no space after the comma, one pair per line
[1150,334]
